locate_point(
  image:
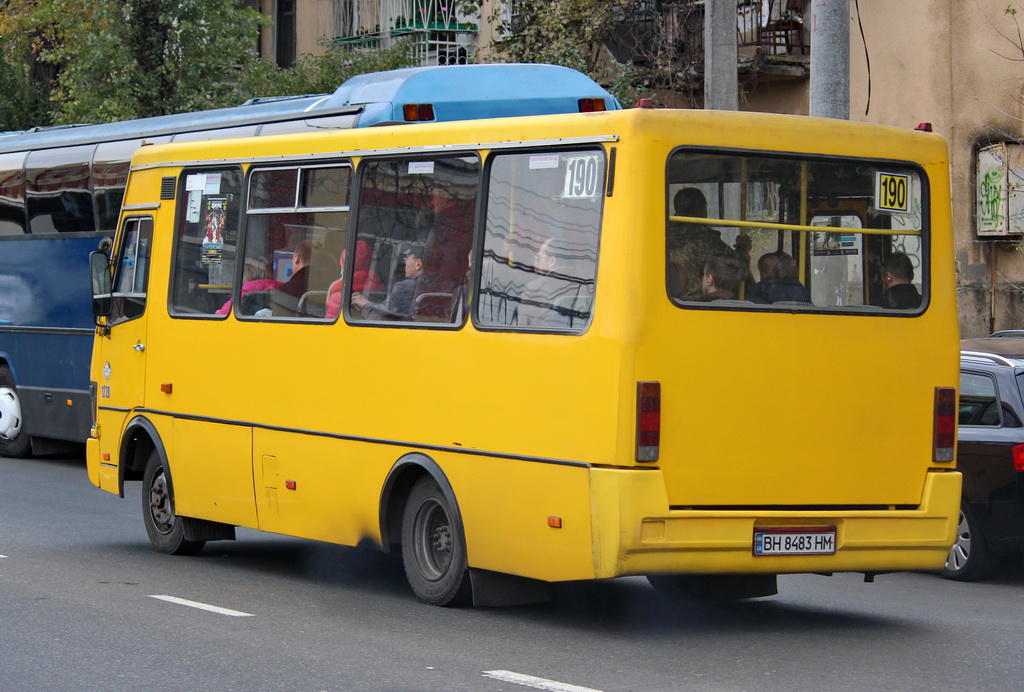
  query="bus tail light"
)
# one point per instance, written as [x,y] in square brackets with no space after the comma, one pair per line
[415,112]
[648,421]
[591,105]
[1018,457]
[944,443]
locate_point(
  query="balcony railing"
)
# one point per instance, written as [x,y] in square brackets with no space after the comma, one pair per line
[672,31]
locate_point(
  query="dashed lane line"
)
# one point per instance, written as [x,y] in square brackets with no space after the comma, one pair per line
[535,682]
[203,606]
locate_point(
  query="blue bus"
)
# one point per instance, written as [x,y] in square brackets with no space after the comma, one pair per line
[61,191]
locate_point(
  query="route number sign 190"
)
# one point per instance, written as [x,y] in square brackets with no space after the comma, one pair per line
[892,193]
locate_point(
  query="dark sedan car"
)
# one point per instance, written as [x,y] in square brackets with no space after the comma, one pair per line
[990,454]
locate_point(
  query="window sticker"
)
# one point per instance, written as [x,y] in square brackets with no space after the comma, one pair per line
[581,177]
[831,243]
[545,161]
[213,229]
[421,168]
[892,193]
[194,206]
[212,186]
[195,182]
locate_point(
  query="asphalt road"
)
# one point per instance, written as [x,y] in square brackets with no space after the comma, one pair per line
[85,604]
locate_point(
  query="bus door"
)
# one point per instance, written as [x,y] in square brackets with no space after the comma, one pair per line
[121,356]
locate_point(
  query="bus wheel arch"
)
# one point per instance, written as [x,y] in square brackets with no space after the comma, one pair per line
[14,441]
[395,493]
[139,440]
[418,507]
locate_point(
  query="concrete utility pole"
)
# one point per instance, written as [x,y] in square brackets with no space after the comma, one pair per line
[721,56]
[830,59]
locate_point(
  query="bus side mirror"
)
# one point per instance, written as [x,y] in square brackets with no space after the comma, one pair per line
[99,273]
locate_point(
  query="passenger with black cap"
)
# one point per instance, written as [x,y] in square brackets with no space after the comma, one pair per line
[398,305]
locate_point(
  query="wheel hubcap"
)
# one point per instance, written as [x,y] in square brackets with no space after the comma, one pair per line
[10,414]
[160,504]
[434,540]
[961,550]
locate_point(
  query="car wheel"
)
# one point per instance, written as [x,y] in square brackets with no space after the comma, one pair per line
[14,443]
[969,559]
[433,551]
[165,530]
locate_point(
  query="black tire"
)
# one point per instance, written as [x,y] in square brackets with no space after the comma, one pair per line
[165,529]
[433,548]
[969,559]
[18,444]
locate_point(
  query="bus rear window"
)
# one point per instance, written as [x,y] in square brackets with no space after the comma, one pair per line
[764,232]
[541,240]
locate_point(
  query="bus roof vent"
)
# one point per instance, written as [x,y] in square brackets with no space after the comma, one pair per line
[167,187]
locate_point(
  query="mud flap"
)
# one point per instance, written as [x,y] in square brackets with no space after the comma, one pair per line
[498,589]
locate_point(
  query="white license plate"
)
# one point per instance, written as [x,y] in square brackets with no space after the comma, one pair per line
[795,540]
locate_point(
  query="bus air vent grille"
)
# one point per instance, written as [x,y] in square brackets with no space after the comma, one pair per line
[167,187]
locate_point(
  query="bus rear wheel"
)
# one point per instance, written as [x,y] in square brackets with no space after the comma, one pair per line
[433,551]
[166,532]
[14,443]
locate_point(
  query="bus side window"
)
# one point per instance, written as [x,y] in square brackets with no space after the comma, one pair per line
[57,190]
[296,228]
[12,194]
[541,240]
[415,231]
[205,242]
[132,277]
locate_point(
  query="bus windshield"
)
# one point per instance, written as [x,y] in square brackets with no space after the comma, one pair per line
[761,232]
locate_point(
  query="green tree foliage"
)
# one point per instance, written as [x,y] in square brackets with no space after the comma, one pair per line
[23,103]
[118,59]
[571,33]
[321,73]
[67,61]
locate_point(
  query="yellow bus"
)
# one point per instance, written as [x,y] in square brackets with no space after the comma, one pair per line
[479,344]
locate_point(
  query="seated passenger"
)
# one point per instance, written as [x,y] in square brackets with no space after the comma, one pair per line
[285,298]
[691,244]
[779,281]
[363,278]
[722,277]
[546,298]
[254,278]
[897,275]
[398,304]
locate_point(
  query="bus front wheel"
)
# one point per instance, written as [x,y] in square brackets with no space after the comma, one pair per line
[14,443]
[166,532]
[433,551]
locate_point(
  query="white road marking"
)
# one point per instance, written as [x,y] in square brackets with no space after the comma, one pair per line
[203,606]
[535,682]
[2,556]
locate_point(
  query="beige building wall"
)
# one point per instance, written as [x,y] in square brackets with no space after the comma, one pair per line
[313,24]
[950,63]
[946,62]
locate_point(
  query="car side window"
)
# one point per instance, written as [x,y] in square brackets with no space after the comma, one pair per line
[979,400]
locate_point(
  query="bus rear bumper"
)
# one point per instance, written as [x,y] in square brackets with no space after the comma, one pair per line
[92,460]
[721,541]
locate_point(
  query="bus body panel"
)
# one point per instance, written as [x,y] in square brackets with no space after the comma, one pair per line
[43,277]
[46,331]
[643,539]
[532,426]
[794,400]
